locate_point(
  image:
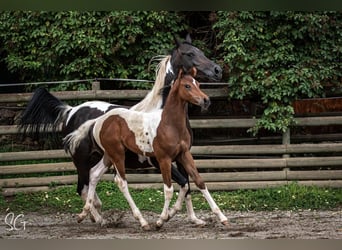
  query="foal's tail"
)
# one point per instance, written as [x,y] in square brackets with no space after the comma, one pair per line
[72,141]
[44,113]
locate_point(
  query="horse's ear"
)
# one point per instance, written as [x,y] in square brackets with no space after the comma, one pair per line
[188,38]
[177,41]
[193,71]
[180,73]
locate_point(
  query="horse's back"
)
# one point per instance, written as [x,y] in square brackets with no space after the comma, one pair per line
[78,115]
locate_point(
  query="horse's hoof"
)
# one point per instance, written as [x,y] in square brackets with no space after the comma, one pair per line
[80,219]
[92,218]
[146,227]
[168,218]
[199,222]
[225,223]
[200,225]
[159,224]
[103,222]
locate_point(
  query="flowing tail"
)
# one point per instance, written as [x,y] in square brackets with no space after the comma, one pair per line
[44,113]
[72,141]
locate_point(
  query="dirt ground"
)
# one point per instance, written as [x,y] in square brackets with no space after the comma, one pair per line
[122,225]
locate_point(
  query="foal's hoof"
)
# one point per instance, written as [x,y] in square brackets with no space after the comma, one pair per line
[225,223]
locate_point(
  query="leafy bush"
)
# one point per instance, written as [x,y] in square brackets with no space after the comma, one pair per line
[273,57]
[80,45]
[278,57]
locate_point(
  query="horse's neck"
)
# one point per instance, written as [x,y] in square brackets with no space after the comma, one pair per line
[175,111]
[154,100]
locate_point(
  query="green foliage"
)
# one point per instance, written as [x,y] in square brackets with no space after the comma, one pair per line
[40,46]
[277,57]
[273,57]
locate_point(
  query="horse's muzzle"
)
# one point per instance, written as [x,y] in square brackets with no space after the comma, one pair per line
[205,103]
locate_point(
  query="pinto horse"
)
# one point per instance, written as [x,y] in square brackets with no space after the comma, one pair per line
[45,109]
[162,134]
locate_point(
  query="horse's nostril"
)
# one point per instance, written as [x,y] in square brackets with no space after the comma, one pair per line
[218,70]
[207,101]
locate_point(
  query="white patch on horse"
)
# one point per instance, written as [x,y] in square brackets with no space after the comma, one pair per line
[150,162]
[169,67]
[143,125]
[142,158]
[102,106]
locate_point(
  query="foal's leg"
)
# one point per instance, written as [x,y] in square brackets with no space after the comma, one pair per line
[188,162]
[122,184]
[168,190]
[96,173]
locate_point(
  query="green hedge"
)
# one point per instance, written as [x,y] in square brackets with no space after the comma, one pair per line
[277,57]
[46,46]
[272,57]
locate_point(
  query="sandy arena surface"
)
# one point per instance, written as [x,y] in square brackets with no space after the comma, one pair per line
[122,225]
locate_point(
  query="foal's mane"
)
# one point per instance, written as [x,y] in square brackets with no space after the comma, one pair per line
[153,99]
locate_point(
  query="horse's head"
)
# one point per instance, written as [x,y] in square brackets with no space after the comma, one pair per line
[189,89]
[185,56]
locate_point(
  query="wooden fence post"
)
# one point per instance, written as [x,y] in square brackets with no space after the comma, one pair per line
[286,140]
[95,85]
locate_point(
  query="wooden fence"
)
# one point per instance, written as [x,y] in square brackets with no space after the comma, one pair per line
[223,167]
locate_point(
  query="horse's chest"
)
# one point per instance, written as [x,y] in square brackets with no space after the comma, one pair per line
[144,127]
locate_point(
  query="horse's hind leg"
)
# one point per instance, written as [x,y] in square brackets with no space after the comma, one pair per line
[184,195]
[92,199]
[188,162]
[97,201]
[122,184]
[97,207]
[188,203]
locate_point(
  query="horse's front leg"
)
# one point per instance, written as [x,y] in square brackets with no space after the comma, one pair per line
[188,162]
[168,189]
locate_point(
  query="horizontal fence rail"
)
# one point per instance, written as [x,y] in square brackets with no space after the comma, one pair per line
[223,167]
[227,123]
[98,94]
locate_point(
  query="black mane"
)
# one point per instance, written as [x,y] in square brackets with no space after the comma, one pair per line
[169,78]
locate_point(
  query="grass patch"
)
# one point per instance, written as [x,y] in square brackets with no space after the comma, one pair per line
[288,197]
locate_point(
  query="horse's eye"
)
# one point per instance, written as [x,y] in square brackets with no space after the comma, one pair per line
[187,86]
[190,54]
